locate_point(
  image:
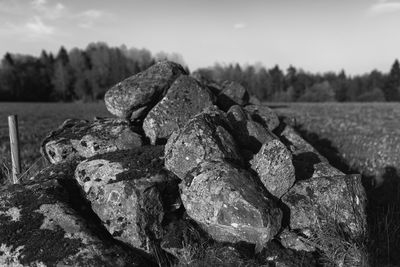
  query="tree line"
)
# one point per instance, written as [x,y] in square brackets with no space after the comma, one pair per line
[86,74]
[276,85]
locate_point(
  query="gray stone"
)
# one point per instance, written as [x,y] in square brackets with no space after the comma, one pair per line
[273,164]
[76,139]
[297,144]
[232,93]
[230,205]
[291,240]
[39,227]
[321,201]
[248,134]
[137,94]
[324,169]
[204,138]
[123,190]
[184,99]
[264,115]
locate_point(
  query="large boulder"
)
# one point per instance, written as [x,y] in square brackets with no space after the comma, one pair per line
[134,96]
[232,93]
[41,227]
[264,115]
[125,192]
[248,134]
[76,139]
[273,164]
[204,138]
[230,205]
[184,99]
[323,201]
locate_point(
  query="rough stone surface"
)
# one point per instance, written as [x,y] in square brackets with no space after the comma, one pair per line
[274,255]
[123,190]
[247,133]
[135,95]
[232,93]
[184,99]
[273,164]
[264,115]
[324,169]
[321,201]
[40,228]
[293,241]
[230,206]
[82,139]
[297,144]
[204,138]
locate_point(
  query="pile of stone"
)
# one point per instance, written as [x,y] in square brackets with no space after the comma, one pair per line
[187,162]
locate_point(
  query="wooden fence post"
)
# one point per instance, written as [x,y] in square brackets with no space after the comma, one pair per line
[14,146]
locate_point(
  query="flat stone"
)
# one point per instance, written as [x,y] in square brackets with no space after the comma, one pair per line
[248,134]
[321,201]
[124,189]
[140,92]
[204,138]
[230,206]
[184,99]
[76,139]
[39,227]
[264,115]
[273,164]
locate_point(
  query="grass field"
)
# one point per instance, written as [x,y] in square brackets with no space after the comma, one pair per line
[362,138]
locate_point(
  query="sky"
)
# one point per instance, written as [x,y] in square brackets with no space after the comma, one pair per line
[315,35]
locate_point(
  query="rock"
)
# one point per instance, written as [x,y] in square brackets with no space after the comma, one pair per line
[263,115]
[321,201]
[254,100]
[40,228]
[297,144]
[324,169]
[76,139]
[273,164]
[232,93]
[293,241]
[230,206]
[184,99]
[274,255]
[123,190]
[248,134]
[137,94]
[204,138]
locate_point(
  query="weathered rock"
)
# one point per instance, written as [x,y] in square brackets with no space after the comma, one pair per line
[123,190]
[76,139]
[324,169]
[232,93]
[184,99]
[293,241]
[230,205]
[40,228]
[297,144]
[273,164]
[248,134]
[264,115]
[137,94]
[321,201]
[274,255]
[204,138]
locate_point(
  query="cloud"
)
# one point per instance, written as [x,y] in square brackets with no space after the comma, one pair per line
[239,26]
[384,7]
[89,17]
[38,27]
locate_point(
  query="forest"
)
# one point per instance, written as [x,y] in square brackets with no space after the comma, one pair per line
[86,74]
